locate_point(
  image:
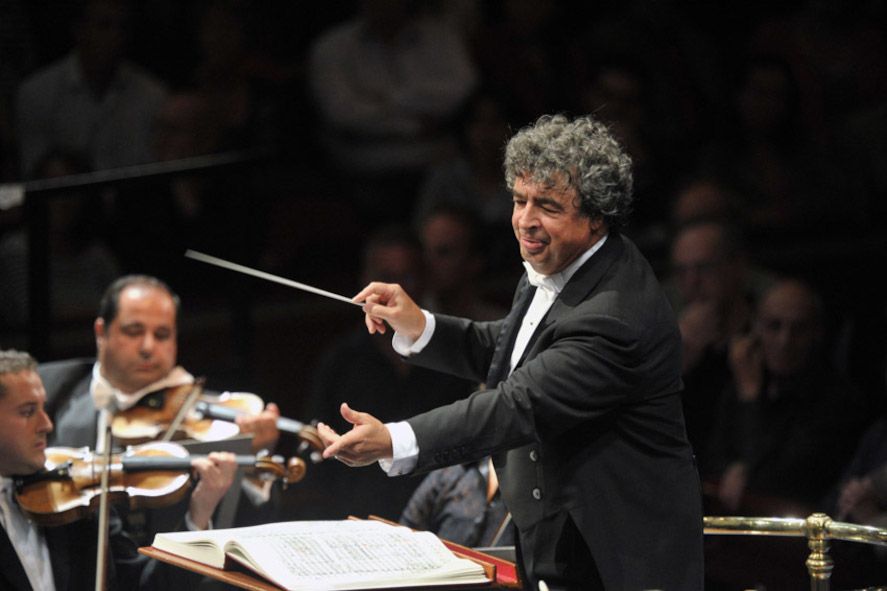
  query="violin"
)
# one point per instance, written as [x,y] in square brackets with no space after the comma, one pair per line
[148,476]
[202,418]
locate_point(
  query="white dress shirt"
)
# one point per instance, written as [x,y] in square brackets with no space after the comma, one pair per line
[403,439]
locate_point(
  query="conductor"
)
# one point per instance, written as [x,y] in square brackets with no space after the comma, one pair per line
[581,408]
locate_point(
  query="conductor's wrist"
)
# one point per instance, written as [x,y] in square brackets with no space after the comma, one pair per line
[405,345]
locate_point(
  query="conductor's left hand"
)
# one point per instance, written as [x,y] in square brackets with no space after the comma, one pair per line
[367,442]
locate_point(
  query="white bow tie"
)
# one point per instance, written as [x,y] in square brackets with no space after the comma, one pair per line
[552,283]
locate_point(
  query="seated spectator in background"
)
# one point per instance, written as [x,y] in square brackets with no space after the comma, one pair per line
[472,180]
[618,91]
[364,369]
[244,106]
[525,56]
[788,422]
[386,85]
[455,265]
[860,496]
[81,262]
[785,176]
[166,212]
[461,504]
[204,210]
[702,196]
[473,177]
[713,291]
[861,493]
[93,101]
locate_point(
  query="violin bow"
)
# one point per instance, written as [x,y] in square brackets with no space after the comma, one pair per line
[193,395]
[101,557]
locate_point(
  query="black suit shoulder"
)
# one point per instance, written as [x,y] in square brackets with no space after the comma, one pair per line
[62,378]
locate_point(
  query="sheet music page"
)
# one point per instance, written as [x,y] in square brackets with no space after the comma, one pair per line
[345,555]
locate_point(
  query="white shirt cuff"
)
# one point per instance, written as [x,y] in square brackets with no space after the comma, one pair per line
[190,526]
[404,447]
[258,494]
[405,347]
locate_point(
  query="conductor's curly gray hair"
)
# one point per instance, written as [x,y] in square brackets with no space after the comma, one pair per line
[582,152]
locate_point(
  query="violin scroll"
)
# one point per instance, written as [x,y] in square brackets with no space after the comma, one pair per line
[310,443]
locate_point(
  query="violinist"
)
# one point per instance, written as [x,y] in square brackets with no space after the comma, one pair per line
[63,557]
[136,339]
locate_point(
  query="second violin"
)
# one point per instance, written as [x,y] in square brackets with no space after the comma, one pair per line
[186,412]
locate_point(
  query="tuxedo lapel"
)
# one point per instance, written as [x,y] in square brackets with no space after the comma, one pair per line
[12,575]
[589,275]
[586,278]
[59,543]
[500,363]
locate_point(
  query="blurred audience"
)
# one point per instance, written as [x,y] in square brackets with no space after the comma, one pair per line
[713,288]
[472,178]
[788,421]
[243,100]
[365,371]
[455,265]
[93,101]
[169,213]
[701,196]
[525,57]
[784,177]
[81,262]
[618,91]
[386,85]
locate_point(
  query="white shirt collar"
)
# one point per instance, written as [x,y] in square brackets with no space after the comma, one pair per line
[556,282]
[103,392]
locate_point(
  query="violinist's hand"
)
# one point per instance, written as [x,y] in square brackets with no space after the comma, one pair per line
[215,473]
[263,427]
[367,442]
[388,302]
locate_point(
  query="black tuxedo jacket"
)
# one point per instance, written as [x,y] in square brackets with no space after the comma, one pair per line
[72,549]
[589,423]
[69,403]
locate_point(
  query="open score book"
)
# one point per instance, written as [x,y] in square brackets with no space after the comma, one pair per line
[347,554]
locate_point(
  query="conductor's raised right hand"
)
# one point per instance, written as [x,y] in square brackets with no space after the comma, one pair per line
[388,302]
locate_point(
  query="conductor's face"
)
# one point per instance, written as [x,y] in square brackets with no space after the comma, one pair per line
[138,347]
[548,225]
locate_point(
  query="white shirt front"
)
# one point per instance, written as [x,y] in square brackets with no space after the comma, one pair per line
[548,287]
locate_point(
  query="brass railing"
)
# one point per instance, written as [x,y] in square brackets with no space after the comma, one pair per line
[818,528]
